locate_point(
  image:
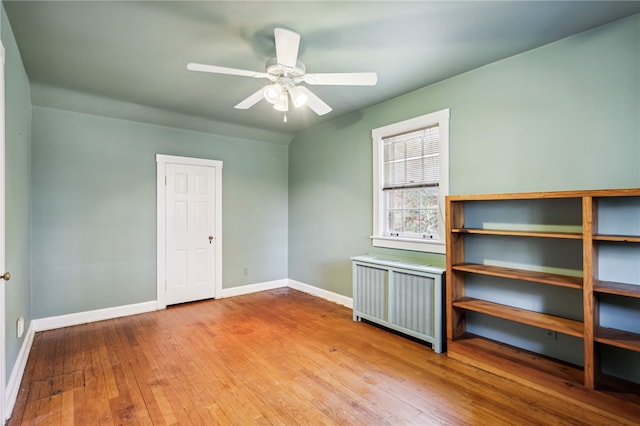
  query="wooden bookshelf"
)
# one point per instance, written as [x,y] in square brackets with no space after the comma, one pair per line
[500,357]
[523,316]
[619,289]
[618,238]
[497,356]
[520,274]
[618,338]
[514,233]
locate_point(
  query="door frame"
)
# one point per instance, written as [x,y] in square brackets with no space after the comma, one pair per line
[161,232]
[3,337]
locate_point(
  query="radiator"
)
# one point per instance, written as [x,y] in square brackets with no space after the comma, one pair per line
[401,296]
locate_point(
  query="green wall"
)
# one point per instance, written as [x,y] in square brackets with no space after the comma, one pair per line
[94,208]
[18,190]
[563,116]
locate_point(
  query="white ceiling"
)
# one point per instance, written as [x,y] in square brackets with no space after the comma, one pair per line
[136,52]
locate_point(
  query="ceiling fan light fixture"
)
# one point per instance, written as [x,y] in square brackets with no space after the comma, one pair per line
[298,97]
[273,93]
[282,104]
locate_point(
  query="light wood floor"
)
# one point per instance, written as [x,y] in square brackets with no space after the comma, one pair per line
[277,357]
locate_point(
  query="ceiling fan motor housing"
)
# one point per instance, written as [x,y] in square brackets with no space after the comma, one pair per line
[277,70]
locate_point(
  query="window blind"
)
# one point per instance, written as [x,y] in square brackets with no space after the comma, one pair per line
[411,160]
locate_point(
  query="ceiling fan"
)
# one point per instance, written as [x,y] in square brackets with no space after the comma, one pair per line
[286,73]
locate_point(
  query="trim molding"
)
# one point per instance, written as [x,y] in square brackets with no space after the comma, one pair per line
[60,321]
[378,239]
[68,320]
[13,385]
[322,293]
[253,288]
[3,240]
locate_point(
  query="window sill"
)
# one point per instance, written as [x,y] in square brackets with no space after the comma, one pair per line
[409,244]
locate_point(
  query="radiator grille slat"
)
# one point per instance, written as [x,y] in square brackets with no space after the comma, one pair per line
[372,288]
[413,302]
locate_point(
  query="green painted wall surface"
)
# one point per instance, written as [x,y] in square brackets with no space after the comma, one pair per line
[17,195]
[94,208]
[563,116]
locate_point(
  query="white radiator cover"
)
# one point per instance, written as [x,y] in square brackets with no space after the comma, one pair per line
[402,296]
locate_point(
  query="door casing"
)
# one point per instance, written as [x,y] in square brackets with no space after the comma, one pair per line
[161,233]
[3,337]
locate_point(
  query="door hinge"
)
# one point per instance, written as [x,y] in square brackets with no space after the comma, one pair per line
[165,181]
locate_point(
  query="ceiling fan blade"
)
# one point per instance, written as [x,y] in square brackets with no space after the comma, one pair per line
[287,44]
[251,100]
[314,102]
[343,79]
[224,70]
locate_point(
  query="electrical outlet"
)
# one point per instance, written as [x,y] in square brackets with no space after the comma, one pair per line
[20,327]
[552,335]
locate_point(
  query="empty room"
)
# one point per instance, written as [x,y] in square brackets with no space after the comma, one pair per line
[320,212]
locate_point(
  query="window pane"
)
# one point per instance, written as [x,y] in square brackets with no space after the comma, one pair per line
[414,147]
[394,173]
[429,222]
[393,199]
[398,150]
[431,169]
[394,221]
[411,198]
[412,221]
[414,170]
[429,197]
[388,151]
[411,158]
[412,213]
[432,138]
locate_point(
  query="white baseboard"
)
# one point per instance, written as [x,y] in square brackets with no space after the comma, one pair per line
[13,385]
[253,288]
[68,320]
[296,285]
[60,321]
[319,292]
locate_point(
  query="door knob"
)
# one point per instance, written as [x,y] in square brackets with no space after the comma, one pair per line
[6,276]
[210,237]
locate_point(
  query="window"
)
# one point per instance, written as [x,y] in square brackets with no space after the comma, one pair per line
[410,181]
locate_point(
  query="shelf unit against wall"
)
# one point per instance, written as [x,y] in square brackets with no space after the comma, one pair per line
[587,242]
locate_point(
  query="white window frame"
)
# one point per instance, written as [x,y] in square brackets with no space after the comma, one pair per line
[378,238]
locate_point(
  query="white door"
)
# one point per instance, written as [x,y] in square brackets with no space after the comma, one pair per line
[191,240]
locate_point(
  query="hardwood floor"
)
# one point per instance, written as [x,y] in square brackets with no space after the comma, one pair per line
[278,357]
